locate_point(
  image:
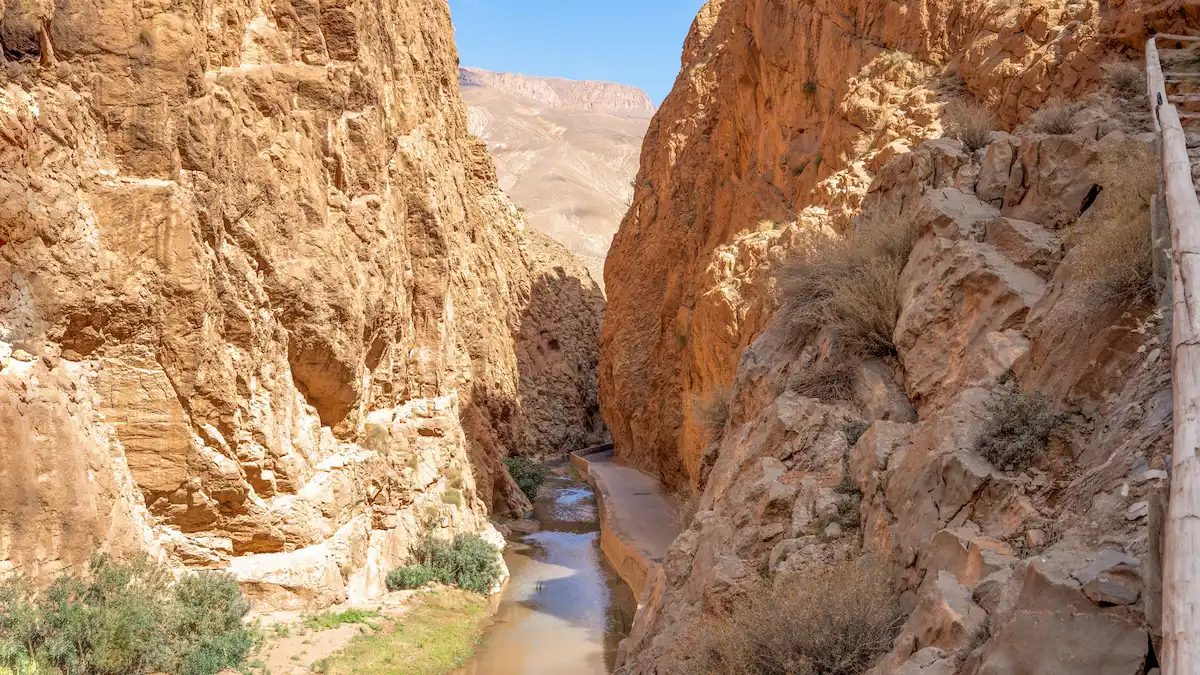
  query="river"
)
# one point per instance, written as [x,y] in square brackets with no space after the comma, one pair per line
[565,610]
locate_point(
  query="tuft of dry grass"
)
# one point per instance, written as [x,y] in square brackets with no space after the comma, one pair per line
[687,502]
[1126,78]
[969,122]
[849,285]
[1018,428]
[712,413]
[834,622]
[1056,117]
[1116,254]
[828,380]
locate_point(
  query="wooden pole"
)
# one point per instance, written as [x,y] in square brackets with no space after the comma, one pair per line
[1181,552]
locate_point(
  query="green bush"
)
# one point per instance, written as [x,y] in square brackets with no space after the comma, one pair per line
[123,619]
[408,577]
[468,562]
[526,473]
[1018,428]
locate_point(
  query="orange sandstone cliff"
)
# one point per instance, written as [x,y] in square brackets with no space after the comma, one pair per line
[800,122]
[264,307]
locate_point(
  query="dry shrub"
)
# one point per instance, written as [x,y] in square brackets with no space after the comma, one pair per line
[849,285]
[687,502]
[1116,254]
[1018,428]
[1127,79]
[1188,57]
[969,122]
[834,622]
[828,380]
[1055,117]
[712,413]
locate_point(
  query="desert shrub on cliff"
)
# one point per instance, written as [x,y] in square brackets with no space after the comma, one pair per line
[969,122]
[834,622]
[121,619]
[1018,428]
[1126,78]
[1116,255]
[848,285]
[468,562]
[712,412]
[829,380]
[1055,117]
[528,474]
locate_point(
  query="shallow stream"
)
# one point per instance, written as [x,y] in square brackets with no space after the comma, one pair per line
[564,610]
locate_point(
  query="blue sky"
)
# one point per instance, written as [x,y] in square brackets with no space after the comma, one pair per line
[634,42]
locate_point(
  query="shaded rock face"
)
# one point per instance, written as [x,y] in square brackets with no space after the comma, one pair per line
[785,112]
[266,309]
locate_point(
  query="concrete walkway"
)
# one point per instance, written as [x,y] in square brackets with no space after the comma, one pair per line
[638,520]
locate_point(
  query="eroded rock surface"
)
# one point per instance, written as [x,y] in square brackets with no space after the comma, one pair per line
[995,564]
[265,308]
[782,116]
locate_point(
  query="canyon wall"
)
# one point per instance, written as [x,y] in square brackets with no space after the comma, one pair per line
[265,308]
[796,123]
[784,111]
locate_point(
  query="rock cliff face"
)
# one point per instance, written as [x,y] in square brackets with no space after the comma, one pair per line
[797,121]
[265,309]
[785,111]
[569,169]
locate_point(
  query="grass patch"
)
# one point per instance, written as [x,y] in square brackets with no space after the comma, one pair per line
[827,380]
[435,636]
[468,562]
[835,622]
[969,122]
[452,497]
[334,619]
[847,286]
[528,474]
[1056,117]
[1018,429]
[1126,78]
[123,618]
[712,412]
[1116,255]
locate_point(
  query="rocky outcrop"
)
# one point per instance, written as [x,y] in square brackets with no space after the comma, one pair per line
[266,308]
[569,169]
[804,121]
[555,92]
[1001,566]
[784,112]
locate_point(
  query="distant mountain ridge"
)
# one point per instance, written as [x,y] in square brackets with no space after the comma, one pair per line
[559,93]
[566,152]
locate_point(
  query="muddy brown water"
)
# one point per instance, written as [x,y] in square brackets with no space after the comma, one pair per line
[565,610]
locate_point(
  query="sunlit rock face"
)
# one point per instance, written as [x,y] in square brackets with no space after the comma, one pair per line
[566,152]
[265,308]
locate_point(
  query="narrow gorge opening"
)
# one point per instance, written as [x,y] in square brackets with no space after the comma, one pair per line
[633,338]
